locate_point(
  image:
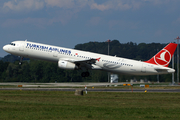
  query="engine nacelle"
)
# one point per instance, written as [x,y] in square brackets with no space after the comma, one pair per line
[66,65]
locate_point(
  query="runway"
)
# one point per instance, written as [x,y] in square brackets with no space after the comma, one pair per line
[92,87]
[93,90]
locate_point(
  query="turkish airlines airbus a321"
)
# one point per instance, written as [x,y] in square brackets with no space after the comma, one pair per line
[80,60]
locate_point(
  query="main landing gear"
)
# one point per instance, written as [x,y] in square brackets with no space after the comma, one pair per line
[85,74]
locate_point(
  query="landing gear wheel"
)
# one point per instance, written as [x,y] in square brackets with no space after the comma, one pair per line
[85,74]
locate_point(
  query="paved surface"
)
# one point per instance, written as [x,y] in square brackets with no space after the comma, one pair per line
[95,90]
[74,86]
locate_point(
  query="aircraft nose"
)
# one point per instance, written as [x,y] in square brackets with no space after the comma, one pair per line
[5,48]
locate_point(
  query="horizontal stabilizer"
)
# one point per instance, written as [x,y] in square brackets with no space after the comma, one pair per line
[165,70]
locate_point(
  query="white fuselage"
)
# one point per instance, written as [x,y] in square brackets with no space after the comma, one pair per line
[105,62]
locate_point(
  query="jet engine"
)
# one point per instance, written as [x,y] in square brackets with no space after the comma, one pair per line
[66,65]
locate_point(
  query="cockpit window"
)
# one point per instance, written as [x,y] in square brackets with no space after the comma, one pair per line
[13,44]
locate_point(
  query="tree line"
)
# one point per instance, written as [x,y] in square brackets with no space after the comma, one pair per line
[42,71]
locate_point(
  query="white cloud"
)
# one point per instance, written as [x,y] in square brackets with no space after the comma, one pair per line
[68,4]
[158,2]
[116,5]
[62,11]
[101,7]
[32,5]
[23,5]
[60,3]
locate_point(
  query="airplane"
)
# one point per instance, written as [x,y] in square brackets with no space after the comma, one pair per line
[72,59]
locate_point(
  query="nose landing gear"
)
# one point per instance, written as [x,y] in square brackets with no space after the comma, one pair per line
[20,62]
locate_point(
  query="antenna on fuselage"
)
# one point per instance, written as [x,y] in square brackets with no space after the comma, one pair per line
[26,40]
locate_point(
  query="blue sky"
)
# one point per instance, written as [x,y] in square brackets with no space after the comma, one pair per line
[67,23]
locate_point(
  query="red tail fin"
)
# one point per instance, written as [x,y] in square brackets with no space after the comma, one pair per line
[163,57]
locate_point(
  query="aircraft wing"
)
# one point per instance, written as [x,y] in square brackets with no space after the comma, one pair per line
[89,63]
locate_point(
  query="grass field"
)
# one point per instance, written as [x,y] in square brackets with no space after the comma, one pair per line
[35,105]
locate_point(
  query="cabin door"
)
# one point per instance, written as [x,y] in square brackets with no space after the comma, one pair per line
[143,68]
[21,48]
[55,54]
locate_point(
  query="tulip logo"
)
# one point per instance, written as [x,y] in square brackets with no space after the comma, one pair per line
[163,57]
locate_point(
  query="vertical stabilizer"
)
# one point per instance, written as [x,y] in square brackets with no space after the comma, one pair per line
[163,57]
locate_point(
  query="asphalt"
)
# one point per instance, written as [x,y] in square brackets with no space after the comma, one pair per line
[93,90]
[93,87]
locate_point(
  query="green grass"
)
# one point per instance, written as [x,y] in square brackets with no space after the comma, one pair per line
[35,105]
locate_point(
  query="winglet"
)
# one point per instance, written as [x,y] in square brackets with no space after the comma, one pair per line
[163,57]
